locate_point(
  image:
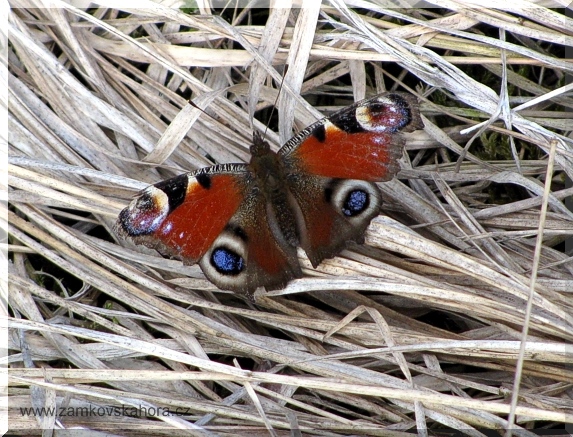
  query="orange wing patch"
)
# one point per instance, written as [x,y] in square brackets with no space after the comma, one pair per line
[191,228]
[369,156]
[182,216]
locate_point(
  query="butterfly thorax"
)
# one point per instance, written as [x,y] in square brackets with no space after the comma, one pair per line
[260,147]
[267,168]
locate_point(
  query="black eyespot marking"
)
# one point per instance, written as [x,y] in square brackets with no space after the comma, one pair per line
[132,227]
[328,194]
[355,203]
[175,189]
[320,133]
[237,231]
[346,121]
[404,108]
[227,262]
[204,180]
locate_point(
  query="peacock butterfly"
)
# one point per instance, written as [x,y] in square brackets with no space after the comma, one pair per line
[243,222]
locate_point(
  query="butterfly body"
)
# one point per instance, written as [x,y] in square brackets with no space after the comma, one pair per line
[271,180]
[243,222]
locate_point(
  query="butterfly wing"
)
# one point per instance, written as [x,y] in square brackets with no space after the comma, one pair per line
[182,216]
[333,212]
[214,216]
[250,252]
[362,141]
[333,164]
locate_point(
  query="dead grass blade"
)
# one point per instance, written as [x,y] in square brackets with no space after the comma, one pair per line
[459,300]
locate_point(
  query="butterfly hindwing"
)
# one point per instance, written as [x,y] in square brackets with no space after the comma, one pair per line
[334,212]
[250,252]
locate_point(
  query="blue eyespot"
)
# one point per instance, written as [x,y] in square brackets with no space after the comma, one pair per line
[227,262]
[355,203]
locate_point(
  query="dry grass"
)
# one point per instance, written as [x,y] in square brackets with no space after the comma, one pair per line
[422,327]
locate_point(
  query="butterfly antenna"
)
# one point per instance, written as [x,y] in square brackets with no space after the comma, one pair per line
[276,100]
[200,109]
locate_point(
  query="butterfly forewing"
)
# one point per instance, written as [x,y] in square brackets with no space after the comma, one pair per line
[361,141]
[182,216]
